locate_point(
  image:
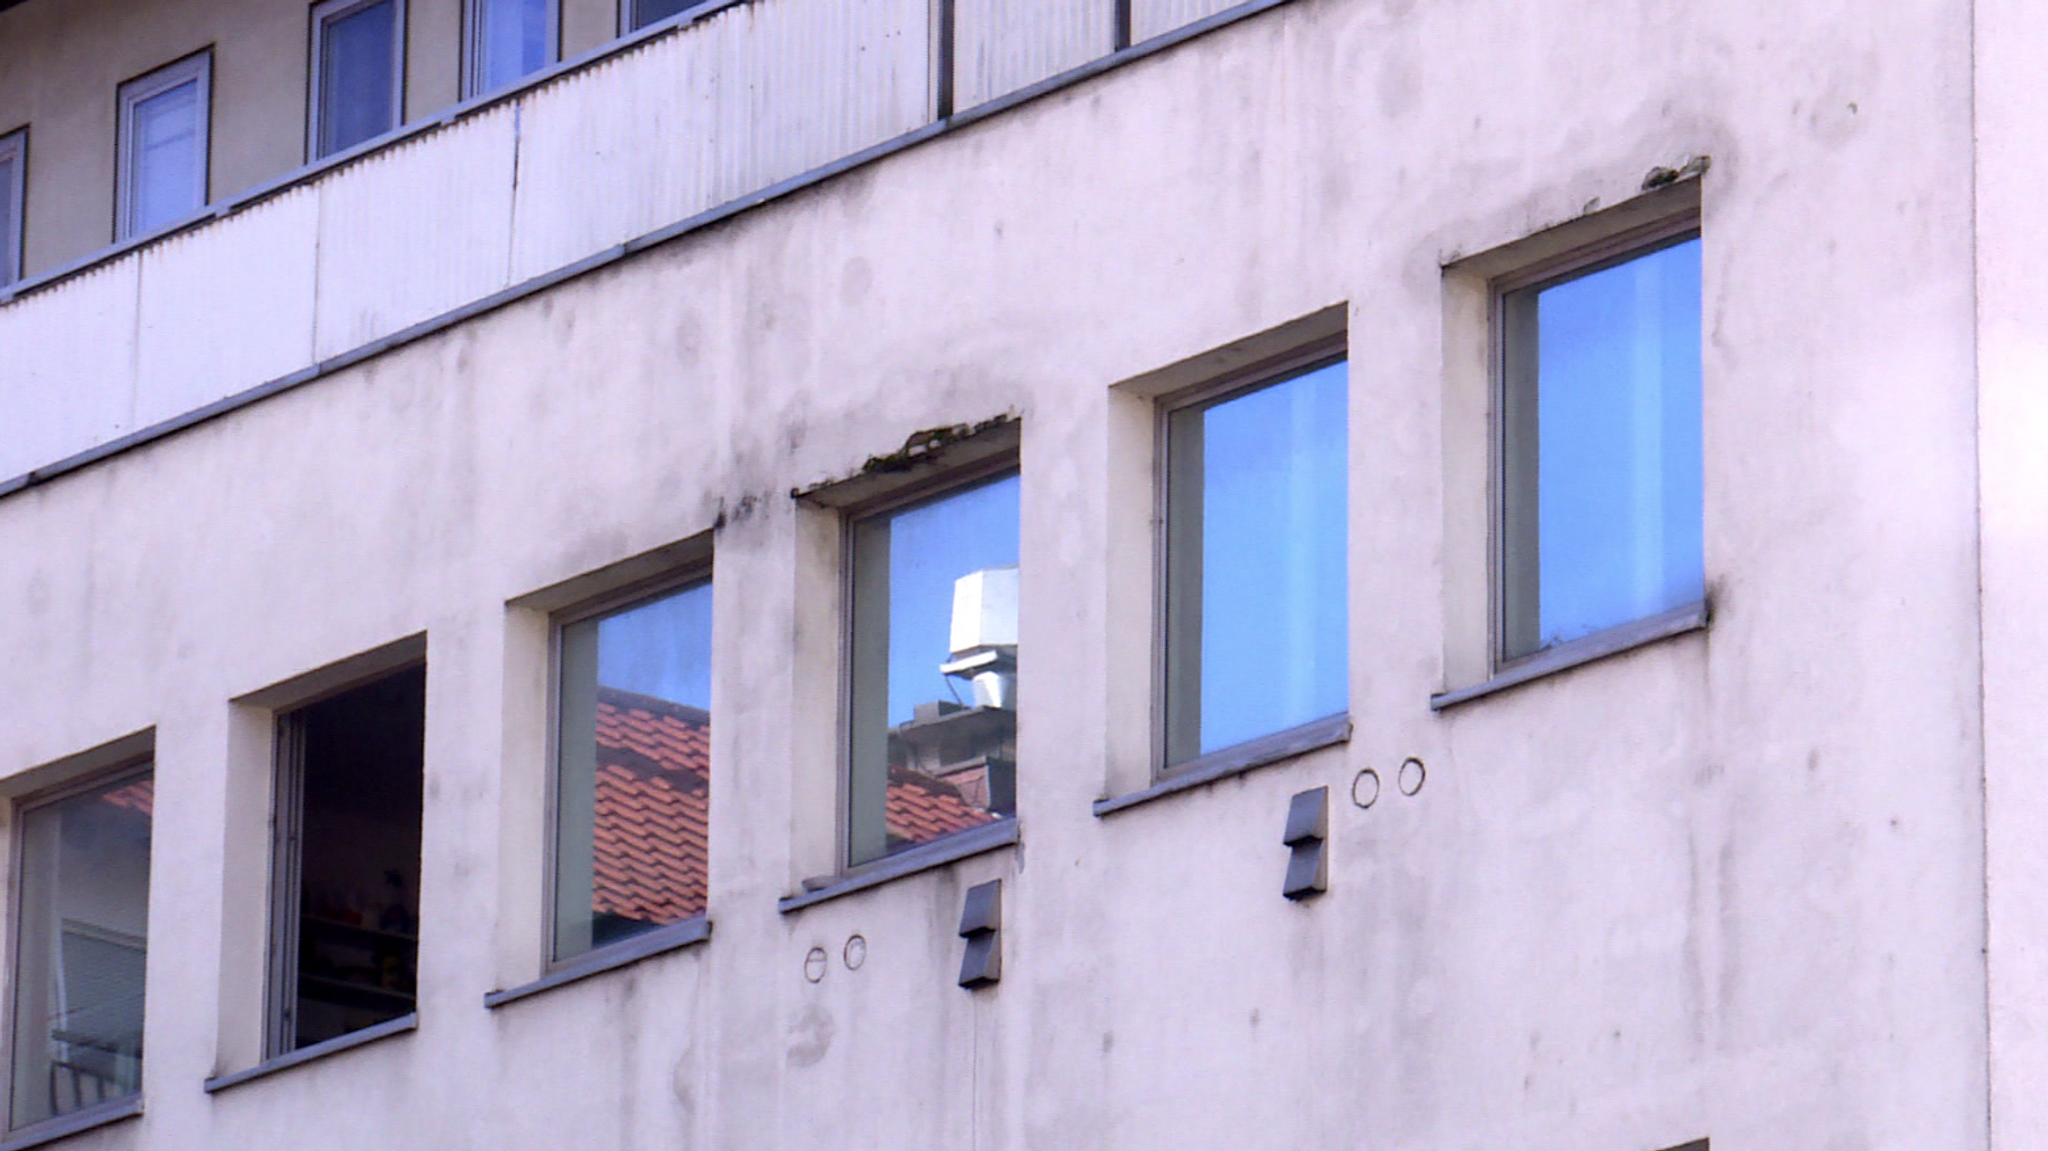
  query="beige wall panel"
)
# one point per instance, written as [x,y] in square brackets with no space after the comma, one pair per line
[1004,45]
[228,307]
[433,56]
[1150,18]
[587,24]
[412,232]
[61,62]
[67,368]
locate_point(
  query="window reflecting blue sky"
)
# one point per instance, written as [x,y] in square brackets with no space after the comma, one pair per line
[1274,615]
[930,546]
[1618,413]
[660,648]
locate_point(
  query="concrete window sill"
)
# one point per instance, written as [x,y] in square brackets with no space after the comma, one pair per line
[354,1039]
[1280,747]
[67,1125]
[660,941]
[1613,641]
[938,853]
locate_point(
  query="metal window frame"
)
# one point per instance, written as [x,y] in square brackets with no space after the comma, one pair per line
[322,15]
[13,229]
[196,67]
[287,824]
[1513,389]
[1167,679]
[940,484]
[124,768]
[686,577]
[473,45]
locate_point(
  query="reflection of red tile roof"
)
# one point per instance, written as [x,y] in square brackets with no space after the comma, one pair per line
[653,804]
[137,796]
[652,808]
[922,809]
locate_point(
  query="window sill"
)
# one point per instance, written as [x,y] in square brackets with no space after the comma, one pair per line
[371,1034]
[1234,761]
[63,1126]
[1613,641]
[660,941]
[938,853]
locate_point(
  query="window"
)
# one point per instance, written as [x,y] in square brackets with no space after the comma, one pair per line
[638,14]
[633,775]
[345,887]
[83,862]
[1256,634]
[162,146]
[358,72]
[507,39]
[13,189]
[932,724]
[1600,463]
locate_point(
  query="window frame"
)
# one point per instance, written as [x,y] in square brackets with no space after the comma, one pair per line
[959,478]
[322,14]
[1270,371]
[472,45]
[197,66]
[1509,382]
[14,228]
[133,765]
[686,577]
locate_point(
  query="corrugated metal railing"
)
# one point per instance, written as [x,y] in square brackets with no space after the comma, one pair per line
[597,158]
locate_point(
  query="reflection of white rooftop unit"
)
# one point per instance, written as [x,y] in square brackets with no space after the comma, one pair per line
[984,640]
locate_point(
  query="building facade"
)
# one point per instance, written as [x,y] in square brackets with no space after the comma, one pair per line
[982,574]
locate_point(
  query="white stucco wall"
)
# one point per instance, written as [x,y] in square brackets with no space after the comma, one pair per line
[1730,885]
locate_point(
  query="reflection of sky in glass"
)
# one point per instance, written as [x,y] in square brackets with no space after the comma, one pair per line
[356,76]
[660,648]
[930,546]
[1618,415]
[512,37]
[166,158]
[1273,559]
[7,261]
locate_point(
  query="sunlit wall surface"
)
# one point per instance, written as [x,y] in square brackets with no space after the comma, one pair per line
[84,892]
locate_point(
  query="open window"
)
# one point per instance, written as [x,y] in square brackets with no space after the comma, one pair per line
[81,939]
[345,889]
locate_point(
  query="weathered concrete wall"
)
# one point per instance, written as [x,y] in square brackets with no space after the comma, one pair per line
[1728,885]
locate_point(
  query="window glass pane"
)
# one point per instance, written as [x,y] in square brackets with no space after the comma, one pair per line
[164,160]
[934,724]
[358,52]
[1618,457]
[634,791]
[10,227]
[78,976]
[646,12]
[512,40]
[1256,541]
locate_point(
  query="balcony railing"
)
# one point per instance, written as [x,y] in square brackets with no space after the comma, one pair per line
[734,105]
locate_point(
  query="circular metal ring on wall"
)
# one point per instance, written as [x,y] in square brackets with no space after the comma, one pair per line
[1365,788]
[855,952]
[814,964]
[1412,775]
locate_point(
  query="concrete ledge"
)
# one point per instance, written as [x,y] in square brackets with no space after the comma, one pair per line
[660,941]
[938,853]
[1613,641]
[1233,761]
[353,1039]
[71,1123]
